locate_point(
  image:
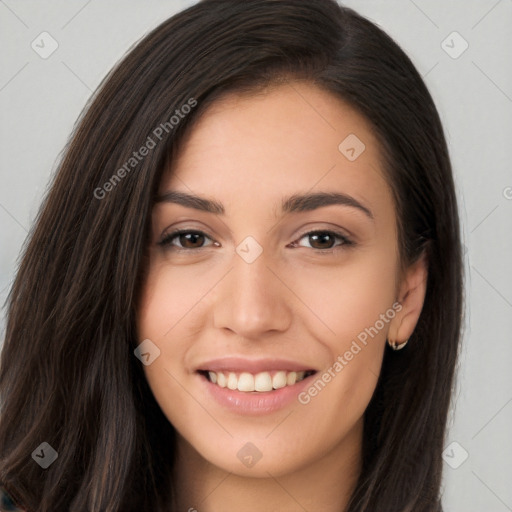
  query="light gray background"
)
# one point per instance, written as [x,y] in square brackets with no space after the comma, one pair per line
[40,100]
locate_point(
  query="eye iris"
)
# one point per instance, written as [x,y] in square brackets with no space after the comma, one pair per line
[324,239]
[191,240]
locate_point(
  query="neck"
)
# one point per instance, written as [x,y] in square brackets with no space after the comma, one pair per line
[326,483]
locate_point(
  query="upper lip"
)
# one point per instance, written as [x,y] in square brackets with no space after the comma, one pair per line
[240,364]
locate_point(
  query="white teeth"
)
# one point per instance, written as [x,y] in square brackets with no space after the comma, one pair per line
[261,382]
[221,380]
[232,381]
[245,382]
[279,380]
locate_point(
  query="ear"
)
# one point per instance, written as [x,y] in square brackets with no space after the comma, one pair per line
[411,296]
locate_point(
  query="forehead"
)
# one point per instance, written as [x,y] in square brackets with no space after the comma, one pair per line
[291,138]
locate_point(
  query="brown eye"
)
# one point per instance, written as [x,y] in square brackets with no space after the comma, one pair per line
[321,241]
[185,239]
[191,240]
[324,240]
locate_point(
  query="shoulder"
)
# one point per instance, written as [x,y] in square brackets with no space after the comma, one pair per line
[7,504]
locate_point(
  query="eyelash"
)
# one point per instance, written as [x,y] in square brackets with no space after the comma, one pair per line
[167,239]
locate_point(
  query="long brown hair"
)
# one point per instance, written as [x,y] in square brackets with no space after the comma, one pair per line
[68,374]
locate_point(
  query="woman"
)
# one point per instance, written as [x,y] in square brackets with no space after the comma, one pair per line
[256,208]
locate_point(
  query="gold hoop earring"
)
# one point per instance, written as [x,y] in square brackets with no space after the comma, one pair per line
[396,346]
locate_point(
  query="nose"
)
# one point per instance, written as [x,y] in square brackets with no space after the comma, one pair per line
[252,300]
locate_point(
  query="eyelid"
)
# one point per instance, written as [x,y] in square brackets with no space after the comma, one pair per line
[166,239]
[347,240]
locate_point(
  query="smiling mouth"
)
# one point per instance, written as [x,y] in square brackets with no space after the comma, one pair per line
[261,382]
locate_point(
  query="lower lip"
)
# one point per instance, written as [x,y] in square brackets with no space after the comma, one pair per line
[255,403]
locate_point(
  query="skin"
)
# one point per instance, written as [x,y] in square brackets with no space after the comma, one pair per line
[249,152]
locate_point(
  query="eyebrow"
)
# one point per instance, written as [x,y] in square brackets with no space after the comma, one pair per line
[292,204]
[308,202]
[191,201]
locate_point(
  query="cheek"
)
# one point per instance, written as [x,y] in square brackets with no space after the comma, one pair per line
[352,307]
[166,303]
[350,298]
[355,303]
[170,311]
[169,295]
[339,395]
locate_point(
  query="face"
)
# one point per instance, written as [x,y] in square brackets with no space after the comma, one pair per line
[271,305]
